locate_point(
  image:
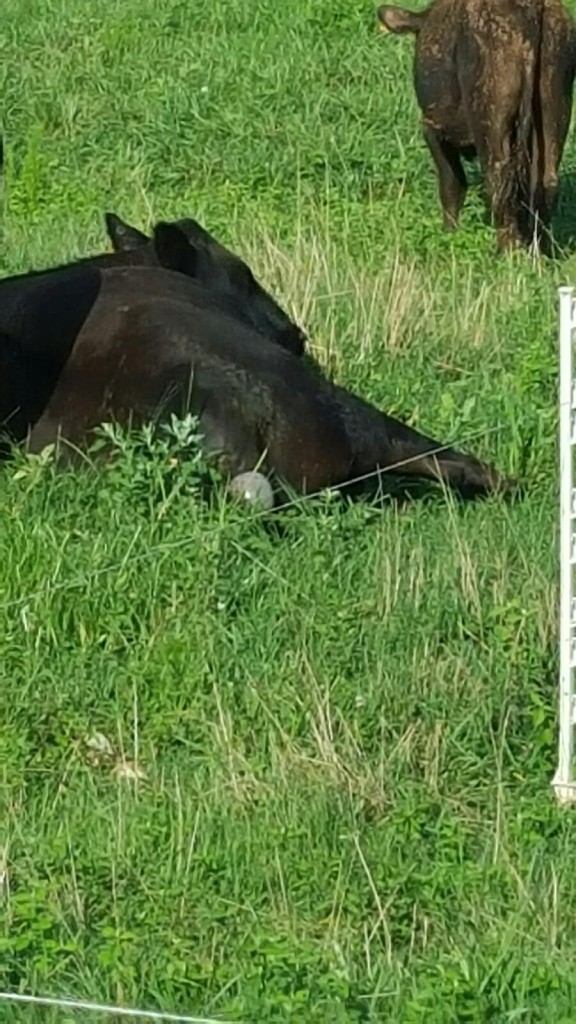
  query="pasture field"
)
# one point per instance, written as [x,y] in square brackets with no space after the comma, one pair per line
[296,772]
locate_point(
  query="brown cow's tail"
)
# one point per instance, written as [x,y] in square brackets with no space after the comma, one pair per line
[530,135]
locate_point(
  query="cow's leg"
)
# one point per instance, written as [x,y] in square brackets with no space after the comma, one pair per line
[464,473]
[498,163]
[452,182]
[381,441]
[555,87]
[493,112]
[545,167]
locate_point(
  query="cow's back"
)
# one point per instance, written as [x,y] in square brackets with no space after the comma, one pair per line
[473,60]
[435,73]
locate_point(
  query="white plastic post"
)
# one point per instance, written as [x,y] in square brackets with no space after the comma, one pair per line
[564,781]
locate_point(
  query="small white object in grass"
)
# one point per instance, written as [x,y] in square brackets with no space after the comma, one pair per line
[129,770]
[252,488]
[100,744]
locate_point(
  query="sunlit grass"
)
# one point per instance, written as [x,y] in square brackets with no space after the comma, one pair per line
[296,771]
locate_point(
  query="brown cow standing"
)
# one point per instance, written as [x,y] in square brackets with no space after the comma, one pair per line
[494,79]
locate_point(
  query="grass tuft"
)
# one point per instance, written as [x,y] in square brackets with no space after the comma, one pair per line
[298,772]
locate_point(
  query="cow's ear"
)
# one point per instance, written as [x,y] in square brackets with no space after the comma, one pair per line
[195,232]
[396,19]
[122,235]
[173,249]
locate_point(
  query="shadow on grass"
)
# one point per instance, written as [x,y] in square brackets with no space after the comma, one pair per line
[564,223]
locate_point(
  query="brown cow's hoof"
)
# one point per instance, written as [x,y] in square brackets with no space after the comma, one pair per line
[508,240]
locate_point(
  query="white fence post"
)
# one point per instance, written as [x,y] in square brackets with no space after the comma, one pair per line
[564,781]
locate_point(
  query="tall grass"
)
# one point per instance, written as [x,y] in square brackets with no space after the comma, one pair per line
[290,769]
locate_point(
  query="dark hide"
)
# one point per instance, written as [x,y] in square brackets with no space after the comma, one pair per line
[184,249]
[146,351]
[494,79]
[218,269]
[42,314]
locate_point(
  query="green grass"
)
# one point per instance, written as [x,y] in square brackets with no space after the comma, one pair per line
[344,731]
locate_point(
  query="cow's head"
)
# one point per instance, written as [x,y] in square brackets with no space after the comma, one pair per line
[186,246]
[400,21]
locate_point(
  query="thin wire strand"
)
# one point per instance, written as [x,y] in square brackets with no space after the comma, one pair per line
[119,1011]
[292,503]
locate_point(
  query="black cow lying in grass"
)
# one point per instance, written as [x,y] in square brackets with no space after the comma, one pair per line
[93,342]
[188,248]
[42,313]
[151,345]
[494,79]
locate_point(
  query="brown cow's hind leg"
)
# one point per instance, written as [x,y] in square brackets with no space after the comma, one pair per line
[452,184]
[498,161]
